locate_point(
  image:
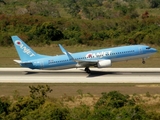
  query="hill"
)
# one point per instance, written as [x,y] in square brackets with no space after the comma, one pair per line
[90,22]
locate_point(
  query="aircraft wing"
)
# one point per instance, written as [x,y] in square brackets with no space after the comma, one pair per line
[79,62]
[86,62]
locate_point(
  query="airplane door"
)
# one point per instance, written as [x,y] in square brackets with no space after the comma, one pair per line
[41,64]
[38,64]
[140,50]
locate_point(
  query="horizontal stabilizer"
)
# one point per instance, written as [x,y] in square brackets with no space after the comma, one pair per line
[17,61]
[20,62]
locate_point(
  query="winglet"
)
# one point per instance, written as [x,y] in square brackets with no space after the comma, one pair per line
[66,52]
[62,49]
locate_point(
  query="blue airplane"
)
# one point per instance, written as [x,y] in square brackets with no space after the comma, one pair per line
[101,58]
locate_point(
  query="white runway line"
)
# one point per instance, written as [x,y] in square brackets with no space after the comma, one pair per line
[64,77]
[80,80]
[96,69]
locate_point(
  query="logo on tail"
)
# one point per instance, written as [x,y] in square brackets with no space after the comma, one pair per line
[24,48]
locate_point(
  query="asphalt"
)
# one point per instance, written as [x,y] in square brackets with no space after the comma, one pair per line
[107,75]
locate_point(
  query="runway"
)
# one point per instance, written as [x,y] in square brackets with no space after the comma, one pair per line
[107,75]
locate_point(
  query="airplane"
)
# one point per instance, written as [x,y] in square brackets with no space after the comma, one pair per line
[100,58]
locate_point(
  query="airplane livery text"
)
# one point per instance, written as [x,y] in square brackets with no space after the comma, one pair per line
[25,50]
[98,54]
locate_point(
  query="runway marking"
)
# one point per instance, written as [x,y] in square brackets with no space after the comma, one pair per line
[108,75]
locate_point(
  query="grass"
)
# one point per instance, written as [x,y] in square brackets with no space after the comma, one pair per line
[8,54]
[59,90]
[152,12]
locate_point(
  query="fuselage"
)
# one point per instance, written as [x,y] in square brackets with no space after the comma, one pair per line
[114,54]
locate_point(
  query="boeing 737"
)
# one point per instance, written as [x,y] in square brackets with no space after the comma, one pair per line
[101,58]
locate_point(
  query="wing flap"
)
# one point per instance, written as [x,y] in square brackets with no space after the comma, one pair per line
[85,63]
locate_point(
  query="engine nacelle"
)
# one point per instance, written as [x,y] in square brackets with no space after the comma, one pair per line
[104,63]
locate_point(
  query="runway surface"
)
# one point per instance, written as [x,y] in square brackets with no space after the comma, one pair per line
[107,75]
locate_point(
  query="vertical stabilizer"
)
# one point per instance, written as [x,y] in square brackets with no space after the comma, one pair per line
[24,51]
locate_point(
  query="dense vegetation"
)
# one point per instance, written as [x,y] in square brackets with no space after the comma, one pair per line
[109,106]
[90,22]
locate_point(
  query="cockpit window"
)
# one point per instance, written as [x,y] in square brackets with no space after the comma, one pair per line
[148,47]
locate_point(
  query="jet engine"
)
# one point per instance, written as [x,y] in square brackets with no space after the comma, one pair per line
[104,63]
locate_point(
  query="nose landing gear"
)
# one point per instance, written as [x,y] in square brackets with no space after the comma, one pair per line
[143,61]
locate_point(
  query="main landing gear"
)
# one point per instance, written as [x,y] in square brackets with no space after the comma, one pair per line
[143,61]
[87,70]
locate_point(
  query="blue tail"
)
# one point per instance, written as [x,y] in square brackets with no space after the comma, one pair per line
[24,51]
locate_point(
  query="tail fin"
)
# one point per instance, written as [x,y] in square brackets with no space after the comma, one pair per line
[24,51]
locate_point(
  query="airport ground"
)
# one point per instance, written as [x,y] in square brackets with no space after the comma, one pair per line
[73,89]
[7,55]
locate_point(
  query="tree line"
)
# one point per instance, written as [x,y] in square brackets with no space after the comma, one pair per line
[35,30]
[70,22]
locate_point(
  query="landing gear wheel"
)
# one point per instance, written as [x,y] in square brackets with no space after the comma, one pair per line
[143,62]
[87,70]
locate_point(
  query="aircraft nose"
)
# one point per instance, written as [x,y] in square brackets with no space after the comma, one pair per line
[154,50]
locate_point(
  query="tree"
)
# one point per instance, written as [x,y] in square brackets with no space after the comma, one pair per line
[114,105]
[154,3]
[39,91]
[49,32]
[114,99]
[4,105]
[3,2]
